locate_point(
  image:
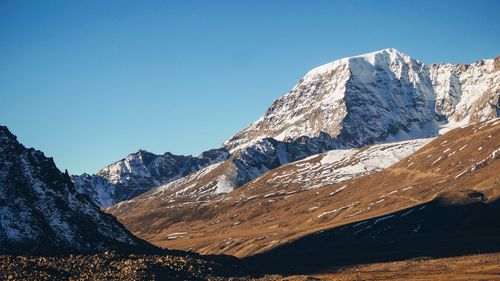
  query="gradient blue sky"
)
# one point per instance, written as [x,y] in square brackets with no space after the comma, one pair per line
[89,82]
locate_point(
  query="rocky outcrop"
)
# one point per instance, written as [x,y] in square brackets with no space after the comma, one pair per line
[42,213]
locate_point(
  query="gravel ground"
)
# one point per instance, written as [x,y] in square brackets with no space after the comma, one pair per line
[114,266]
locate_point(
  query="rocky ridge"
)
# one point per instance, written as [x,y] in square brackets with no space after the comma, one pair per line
[42,213]
[139,172]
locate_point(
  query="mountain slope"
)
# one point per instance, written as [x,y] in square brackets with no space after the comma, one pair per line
[260,216]
[336,166]
[41,212]
[313,172]
[453,224]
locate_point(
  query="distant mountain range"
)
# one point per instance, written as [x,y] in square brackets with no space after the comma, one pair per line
[377,97]
[139,172]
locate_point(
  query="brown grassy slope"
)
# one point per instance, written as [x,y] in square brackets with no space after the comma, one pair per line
[248,222]
[455,223]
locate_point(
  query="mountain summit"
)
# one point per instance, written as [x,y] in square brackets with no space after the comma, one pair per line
[384,95]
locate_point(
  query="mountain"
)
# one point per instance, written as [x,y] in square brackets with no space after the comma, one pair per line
[313,172]
[223,177]
[139,172]
[41,212]
[297,200]
[377,97]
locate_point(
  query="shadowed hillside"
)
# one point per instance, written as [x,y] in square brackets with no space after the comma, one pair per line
[454,224]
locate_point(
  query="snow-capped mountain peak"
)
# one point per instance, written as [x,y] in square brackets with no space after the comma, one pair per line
[351,102]
[374,97]
[356,100]
[389,57]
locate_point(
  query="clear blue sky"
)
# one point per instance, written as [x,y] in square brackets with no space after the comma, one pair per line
[89,82]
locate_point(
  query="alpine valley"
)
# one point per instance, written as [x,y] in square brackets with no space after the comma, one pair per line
[371,167]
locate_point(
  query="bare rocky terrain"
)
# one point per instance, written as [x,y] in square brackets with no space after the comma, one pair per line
[116,266]
[113,266]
